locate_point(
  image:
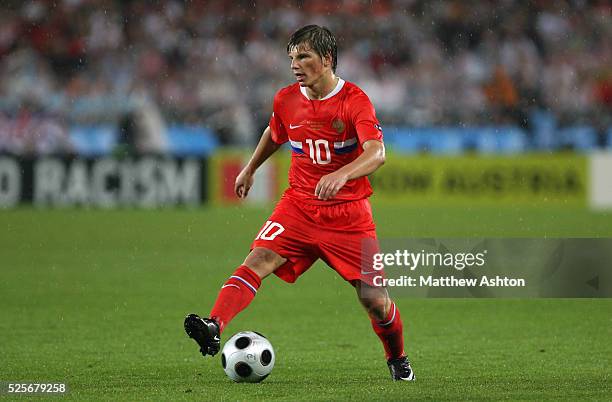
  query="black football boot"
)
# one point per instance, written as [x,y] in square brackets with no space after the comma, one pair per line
[400,369]
[205,332]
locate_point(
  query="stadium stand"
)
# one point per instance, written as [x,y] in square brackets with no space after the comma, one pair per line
[451,76]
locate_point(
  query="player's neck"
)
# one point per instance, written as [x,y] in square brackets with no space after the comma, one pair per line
[322,87]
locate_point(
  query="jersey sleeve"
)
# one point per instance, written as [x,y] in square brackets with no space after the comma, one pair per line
[364,119]
[277,128]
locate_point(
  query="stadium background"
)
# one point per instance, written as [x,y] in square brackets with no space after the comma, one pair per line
[123,124]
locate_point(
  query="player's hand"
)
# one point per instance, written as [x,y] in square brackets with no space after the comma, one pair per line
[244,182]
[329,185]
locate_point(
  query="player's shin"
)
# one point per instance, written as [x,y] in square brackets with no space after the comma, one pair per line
[236,293]
[390,332]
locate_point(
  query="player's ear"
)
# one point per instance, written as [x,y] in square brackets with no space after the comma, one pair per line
[327,60]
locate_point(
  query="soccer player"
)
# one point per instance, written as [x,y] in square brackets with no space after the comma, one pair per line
[336,141]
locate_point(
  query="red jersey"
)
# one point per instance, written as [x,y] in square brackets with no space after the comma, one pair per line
[324,135]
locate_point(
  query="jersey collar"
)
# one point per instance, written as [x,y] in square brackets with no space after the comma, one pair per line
[338,88]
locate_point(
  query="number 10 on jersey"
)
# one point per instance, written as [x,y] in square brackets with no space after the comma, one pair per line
[319,151]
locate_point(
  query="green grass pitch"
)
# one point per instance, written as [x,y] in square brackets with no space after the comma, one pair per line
[96,299]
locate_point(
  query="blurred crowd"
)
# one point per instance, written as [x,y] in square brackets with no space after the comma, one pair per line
[219,63]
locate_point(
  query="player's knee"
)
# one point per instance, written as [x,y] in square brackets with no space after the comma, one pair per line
[374,300]
[376,308]
[263,261]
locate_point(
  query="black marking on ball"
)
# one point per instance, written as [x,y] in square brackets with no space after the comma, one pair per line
[243,342]
[243,369]
[266,357]
[260,334]
[223,360]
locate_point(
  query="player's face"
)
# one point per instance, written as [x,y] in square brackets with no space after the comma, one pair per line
[307,66]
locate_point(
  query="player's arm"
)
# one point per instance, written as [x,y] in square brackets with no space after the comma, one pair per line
[372,158]
[265,148]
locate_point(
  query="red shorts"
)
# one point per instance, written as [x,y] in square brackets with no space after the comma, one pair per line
[343,235]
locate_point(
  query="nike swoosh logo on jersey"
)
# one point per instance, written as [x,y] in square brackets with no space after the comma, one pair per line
[291,126]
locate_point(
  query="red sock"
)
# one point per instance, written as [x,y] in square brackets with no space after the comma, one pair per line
[235,295]
[390,332]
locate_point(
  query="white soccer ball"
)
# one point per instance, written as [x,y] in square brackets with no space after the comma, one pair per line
[247,357]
